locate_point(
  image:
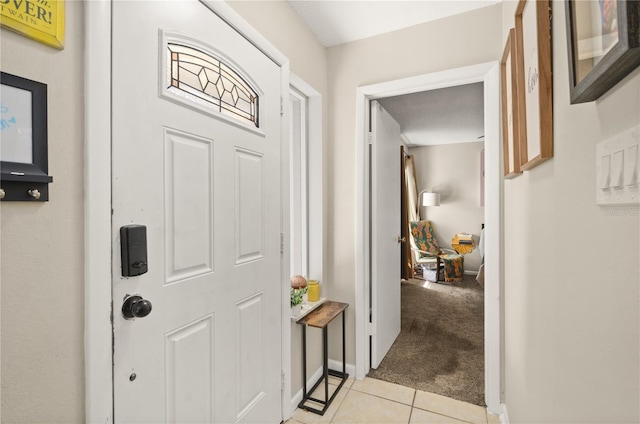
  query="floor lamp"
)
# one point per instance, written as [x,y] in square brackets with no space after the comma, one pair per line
[429,198]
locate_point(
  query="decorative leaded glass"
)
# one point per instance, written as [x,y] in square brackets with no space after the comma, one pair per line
[207,78]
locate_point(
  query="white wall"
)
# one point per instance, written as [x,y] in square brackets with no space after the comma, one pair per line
[462,40]
[42,247]
[572,267]
[453,171]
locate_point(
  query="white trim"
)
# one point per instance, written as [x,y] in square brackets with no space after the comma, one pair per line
[362,234]
[336,365]
[487,73]
[295,400]
[314,175]
[493,253]
[314,223]
[504,417]
[97,213]
[237,22]
[299,205]
[285,258]
[97,216]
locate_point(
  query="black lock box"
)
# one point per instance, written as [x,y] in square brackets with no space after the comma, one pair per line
[133,250]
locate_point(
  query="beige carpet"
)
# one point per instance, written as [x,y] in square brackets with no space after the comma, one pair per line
[440,348]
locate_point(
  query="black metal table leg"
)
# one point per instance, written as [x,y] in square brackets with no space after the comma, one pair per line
[304,361]
[325,363]
[344,366]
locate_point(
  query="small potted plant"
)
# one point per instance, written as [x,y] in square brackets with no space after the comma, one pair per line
[298,290]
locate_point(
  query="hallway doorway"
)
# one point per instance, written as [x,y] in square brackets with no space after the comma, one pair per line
[440,347]
[489,74]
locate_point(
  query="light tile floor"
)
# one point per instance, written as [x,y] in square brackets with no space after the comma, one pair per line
[373,401]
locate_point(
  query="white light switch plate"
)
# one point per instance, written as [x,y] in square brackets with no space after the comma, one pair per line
[617,162]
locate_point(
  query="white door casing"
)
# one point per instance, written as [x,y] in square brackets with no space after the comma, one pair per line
[493,302]
[208,188]
[385,231]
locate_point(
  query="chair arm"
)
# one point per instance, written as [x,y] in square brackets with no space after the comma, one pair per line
[446,250]
[424,252]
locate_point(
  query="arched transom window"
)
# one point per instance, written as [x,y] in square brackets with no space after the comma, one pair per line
[207,78]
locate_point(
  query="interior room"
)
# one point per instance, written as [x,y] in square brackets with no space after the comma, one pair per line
[444,132]
[443,139]
[85,338]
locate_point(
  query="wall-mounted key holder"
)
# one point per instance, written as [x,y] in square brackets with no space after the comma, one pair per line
[24,192]
[133,250]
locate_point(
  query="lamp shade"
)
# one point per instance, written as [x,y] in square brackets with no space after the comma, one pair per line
[431,199]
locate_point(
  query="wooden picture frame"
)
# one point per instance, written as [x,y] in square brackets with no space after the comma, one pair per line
[603,41]
[482,178]
[24,156]
[535,85]
[510,123]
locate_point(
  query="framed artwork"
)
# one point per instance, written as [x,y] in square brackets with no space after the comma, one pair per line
[41,20]
[510,124]
[534,85]
[603,40]
[23,131]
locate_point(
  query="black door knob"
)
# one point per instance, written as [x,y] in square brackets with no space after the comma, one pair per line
[136,307]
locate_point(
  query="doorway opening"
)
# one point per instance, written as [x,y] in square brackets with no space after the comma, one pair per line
[488,73]
[440,348]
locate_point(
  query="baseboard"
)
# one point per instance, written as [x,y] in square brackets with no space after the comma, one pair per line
[504,418]
[337,366]
[333,365]
[295,400]
[470,272]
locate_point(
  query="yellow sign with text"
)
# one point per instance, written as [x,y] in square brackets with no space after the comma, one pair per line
[42,20]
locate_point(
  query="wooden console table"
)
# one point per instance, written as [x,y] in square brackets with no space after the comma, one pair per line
[320,318]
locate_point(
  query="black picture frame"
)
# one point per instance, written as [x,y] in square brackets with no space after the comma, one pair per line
[20,180]
[619,60]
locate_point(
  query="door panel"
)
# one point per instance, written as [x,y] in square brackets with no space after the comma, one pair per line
[189,372]
[188,205]
[250,344]
[206,184]
[385,231]
[249,188]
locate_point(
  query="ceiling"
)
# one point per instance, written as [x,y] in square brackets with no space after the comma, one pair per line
[448,115]
[336,22]
[444,116]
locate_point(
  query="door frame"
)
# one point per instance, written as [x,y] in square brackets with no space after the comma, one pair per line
[97,201]
[314,223]
[489,74]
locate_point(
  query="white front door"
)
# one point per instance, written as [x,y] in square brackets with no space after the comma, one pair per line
[196,131]
[385,232]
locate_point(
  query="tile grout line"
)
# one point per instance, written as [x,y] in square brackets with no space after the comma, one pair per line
[415,393]
[412,405]
[340,405]
[447,416]
[379,397]
[382,397]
